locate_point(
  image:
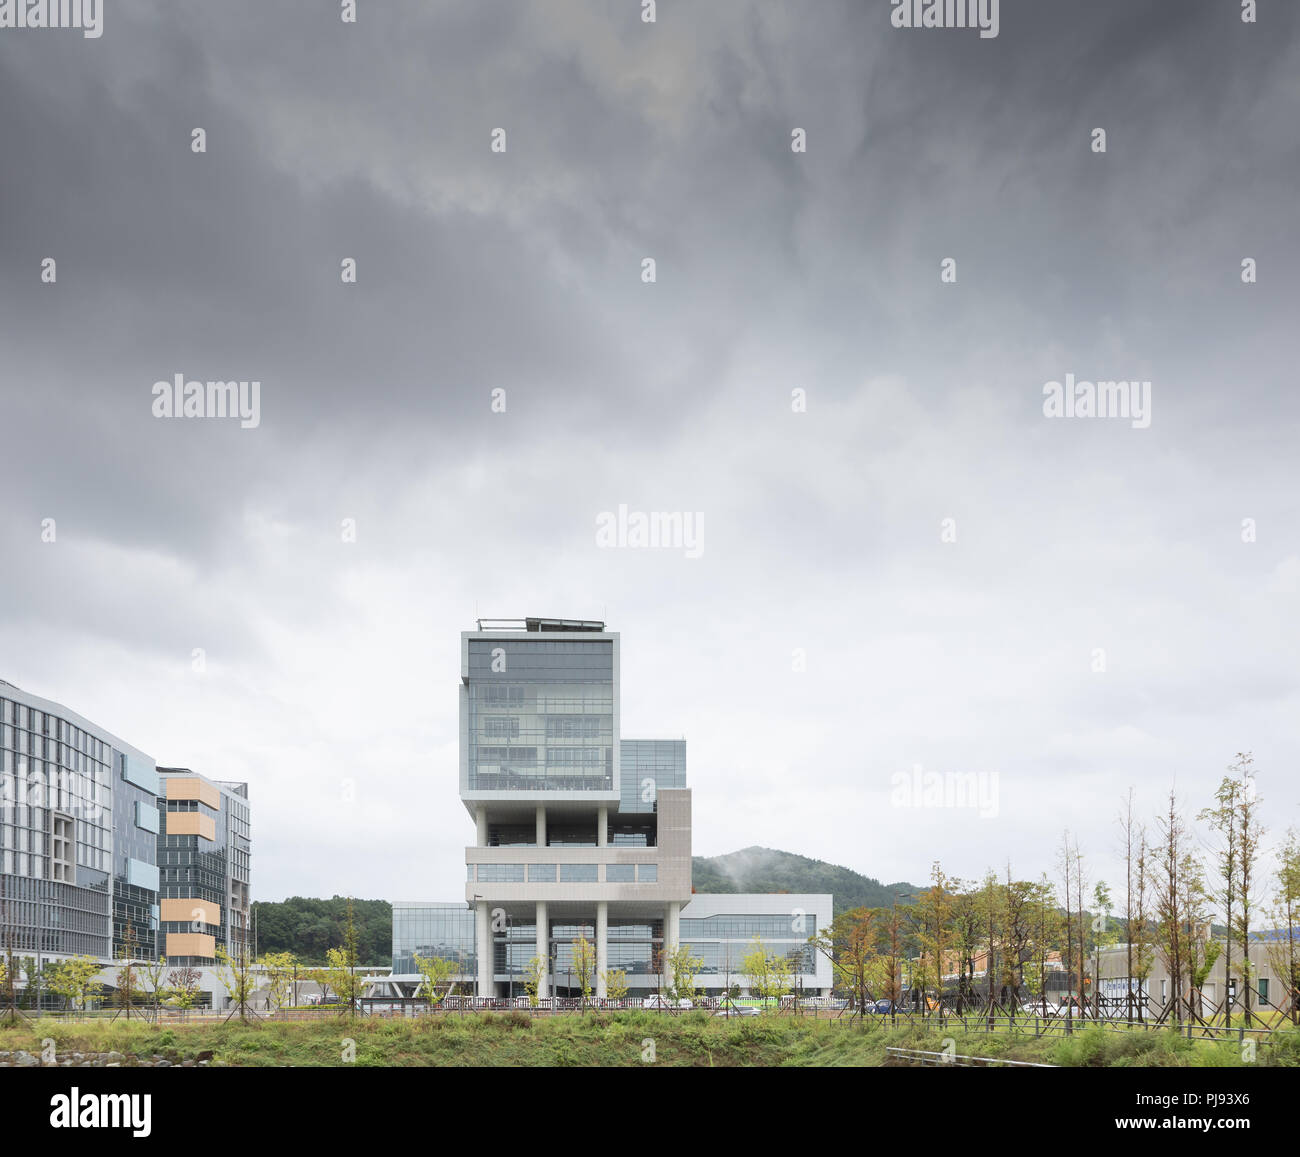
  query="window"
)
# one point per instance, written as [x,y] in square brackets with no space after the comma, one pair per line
[578,873]
[647,873]
[62,851]
[620,873]
[541,873]
[1263,988]
[500,873]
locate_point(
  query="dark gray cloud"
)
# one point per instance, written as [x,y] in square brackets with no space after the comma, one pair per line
[331,663]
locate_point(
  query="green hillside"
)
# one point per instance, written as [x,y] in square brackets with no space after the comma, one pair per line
[307,927]
[767,870]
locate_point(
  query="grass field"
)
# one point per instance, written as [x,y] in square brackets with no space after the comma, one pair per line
[611,1039]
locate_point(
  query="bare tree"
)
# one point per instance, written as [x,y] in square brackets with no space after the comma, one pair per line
[1250,834]
[1171,859]
[1065,862]
[1222,820]
[1128,829]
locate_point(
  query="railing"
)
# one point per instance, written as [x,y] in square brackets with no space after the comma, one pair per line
[922,1057]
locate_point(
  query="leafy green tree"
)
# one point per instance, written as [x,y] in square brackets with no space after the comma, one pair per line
[584,967]
[339,976]
[615,984]
[1017,911]
[1140,925]
[932,915]
[769,974]
[1105,932]
[34,975]
[1170,859]
[151,972]
[279,977]
[236,973]
[182,989]
[1250,835]
[436,974]
[1202,949]
[308,927]
[849,943]
[682,969]
[1225,857]
[128,978]
[534,975]
[74,980]
[1047,926]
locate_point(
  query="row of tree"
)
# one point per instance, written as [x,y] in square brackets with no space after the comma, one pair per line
[146,986]
[1000,940]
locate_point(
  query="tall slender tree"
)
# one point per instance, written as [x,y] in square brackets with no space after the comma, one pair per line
[1222,820]
[1128,831]
[1142,947]
[1250,835]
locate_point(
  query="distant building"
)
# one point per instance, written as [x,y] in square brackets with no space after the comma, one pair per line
[204,851]
[105,854]
[78,868]
[580,834]
[1269,988]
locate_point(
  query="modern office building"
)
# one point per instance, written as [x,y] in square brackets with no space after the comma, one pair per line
[105,854]
[204,853]
[580,834]
[78,869]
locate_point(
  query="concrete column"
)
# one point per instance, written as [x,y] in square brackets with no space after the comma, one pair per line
[480,820]
[483,936]
[541,826]
[602,945]
[543,938]
[672,934]
[602,827]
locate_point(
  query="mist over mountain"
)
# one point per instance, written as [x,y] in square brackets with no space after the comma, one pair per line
[769,870]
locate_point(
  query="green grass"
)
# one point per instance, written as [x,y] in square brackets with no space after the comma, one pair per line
[610,1039]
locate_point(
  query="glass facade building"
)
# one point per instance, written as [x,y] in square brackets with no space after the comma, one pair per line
[648,766]
[78,874]
[579,834]
[540,715]
[204,855]
[445,931]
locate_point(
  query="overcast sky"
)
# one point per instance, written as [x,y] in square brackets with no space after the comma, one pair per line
[331,667]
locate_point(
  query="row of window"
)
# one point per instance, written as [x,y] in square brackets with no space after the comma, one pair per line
[568,873]
[16,714]
[557,727]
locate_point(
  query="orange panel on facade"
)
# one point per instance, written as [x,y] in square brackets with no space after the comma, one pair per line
[191,824]
[191,787]
[183,911]
[191,944]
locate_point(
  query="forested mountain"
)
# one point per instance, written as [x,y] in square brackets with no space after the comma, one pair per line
[768,870]
[307,927]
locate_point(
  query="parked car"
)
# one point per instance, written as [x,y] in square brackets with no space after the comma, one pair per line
[657,1001]
[685,1003]
[739,1010]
